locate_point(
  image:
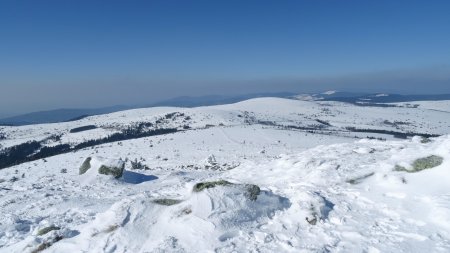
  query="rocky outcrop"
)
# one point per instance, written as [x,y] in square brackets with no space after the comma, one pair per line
[85,166]
[116,171]
[103,166]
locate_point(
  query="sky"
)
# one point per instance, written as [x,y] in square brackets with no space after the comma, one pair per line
[88,53]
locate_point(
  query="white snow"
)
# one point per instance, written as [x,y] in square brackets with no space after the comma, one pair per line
[330,92]
[427,118]
[307,97]
[320,192]
[443,106]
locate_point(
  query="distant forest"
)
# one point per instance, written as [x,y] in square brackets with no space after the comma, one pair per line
[34,150]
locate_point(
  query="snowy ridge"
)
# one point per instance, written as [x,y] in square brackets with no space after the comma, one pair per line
[424,119]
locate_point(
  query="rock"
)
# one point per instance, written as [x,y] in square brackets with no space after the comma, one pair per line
[312,221]
[167,202]
[115,171]
[103,166]
[206,185]
[425,140]
[252,192]
[427,162]
[45,230]
[212,160]
[422,164]
[85,166]
[359,179]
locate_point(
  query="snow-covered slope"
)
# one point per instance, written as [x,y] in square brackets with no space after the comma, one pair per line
[443,106]
[277,188]
[424,119]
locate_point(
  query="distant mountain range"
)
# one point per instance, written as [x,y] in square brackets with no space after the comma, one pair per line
[62,115]
[382,98]
[217,99]
[59,115]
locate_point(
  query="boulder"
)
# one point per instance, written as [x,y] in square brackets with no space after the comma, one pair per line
[85,166]
[250,191]
[113,170]
[103,166]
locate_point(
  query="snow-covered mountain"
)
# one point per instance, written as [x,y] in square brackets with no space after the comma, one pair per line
[262,175]
[62,115]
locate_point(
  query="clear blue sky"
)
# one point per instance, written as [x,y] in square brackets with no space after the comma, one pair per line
[65,53]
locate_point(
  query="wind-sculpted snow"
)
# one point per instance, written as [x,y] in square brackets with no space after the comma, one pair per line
[386,210]
[340,197]
[140,225]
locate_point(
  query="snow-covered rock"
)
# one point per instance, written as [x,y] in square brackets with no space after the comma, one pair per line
[103,166]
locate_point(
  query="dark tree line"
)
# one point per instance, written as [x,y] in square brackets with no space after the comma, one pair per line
[35,150]
[127,134]
[400,135]
[18,154]
[310,129]
[83,128]
[314,129]
[50,151]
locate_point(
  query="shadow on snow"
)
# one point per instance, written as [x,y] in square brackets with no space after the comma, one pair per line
[136,178]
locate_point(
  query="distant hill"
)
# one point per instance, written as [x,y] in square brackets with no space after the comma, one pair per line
[216,99]
[384,98]
[59,115]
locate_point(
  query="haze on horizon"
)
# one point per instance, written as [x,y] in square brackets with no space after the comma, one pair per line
[81,54]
